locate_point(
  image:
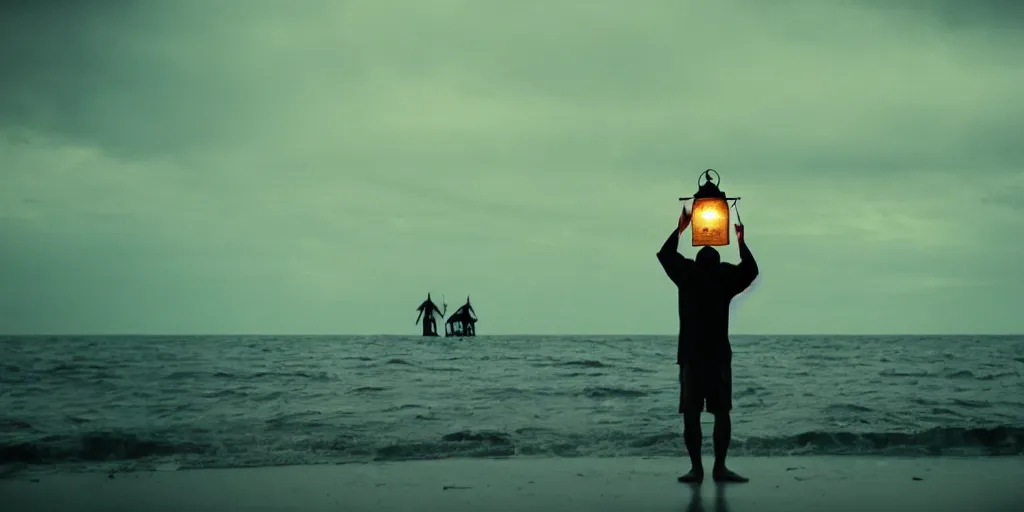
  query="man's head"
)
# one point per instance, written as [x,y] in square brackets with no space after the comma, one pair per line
[708,256]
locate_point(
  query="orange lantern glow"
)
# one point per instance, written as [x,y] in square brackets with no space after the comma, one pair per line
[710,215]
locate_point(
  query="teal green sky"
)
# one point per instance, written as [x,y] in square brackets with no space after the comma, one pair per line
[318,167]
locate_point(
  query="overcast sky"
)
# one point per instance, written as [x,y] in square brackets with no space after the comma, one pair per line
[317,167]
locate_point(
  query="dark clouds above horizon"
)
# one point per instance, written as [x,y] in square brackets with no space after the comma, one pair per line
[319,166]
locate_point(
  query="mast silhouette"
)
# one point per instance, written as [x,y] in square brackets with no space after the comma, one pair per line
[427,311]
[462,322]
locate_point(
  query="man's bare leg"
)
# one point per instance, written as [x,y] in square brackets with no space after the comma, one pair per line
[692,436]
[721,437]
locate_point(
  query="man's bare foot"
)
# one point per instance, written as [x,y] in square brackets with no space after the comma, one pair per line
[695,476]
[724,475]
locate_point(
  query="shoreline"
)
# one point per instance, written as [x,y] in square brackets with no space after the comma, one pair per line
[16,470]
[23,471]
[792,483]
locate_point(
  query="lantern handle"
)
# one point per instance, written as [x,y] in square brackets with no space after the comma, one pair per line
[735,206]
[707,177]
[727,199]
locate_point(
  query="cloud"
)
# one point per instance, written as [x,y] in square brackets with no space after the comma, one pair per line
[353,81]
[356,152]
[986,14]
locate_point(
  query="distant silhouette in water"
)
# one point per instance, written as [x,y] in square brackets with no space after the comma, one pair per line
[427,311]
[462,322]
[706,286]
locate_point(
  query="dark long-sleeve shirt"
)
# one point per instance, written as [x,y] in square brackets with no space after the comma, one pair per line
[705,292]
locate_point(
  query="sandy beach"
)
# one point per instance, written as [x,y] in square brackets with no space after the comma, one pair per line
[792,484]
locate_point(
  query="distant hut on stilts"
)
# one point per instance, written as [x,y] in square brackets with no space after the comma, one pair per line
[427,311]
[462,322]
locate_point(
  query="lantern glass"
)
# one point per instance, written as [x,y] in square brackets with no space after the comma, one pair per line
[710,222]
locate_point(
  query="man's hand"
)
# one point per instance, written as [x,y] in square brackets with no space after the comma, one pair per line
[739,232]
[684,220]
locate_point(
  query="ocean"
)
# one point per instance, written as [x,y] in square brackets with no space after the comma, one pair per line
[174,402]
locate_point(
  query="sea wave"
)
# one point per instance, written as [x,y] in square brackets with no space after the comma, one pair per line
[84,404]
[207,451]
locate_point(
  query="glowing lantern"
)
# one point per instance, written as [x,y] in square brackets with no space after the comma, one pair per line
[710,213]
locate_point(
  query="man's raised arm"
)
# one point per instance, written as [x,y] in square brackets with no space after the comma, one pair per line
[748,270]
[669,257]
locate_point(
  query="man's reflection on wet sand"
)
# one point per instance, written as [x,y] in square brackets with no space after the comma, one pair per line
[697,504]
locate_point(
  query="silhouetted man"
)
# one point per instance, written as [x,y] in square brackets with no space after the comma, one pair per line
[706,286]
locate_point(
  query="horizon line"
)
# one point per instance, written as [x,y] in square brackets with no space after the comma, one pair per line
[500,335]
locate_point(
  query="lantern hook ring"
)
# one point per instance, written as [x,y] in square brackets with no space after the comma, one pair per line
[707,177]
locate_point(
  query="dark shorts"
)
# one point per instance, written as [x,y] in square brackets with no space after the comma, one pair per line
[700,383]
